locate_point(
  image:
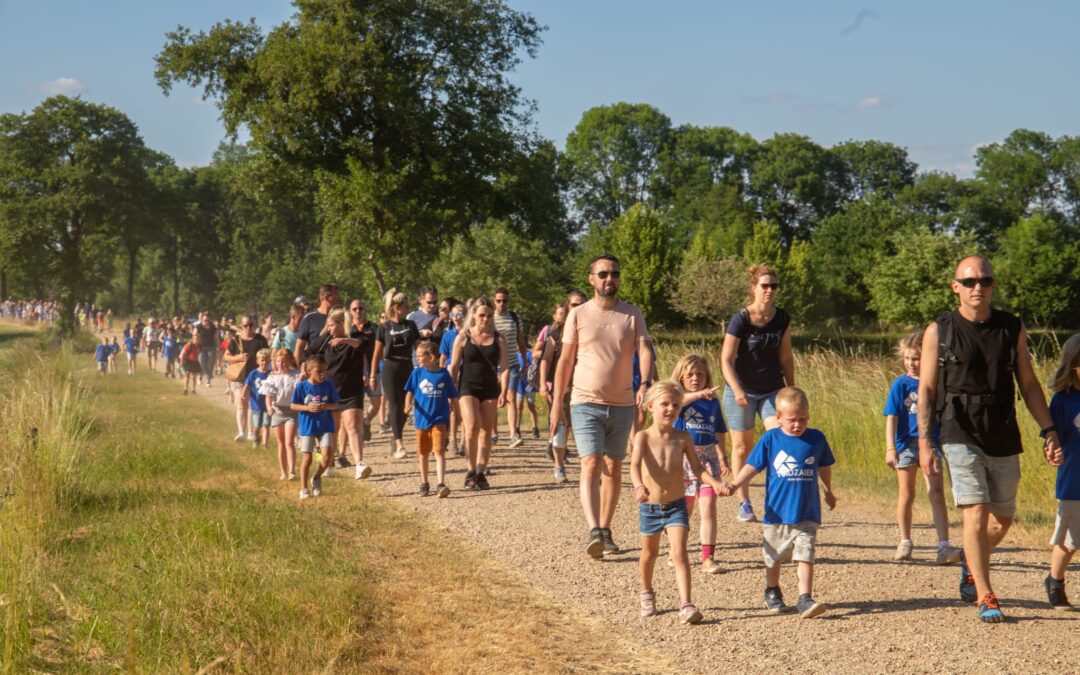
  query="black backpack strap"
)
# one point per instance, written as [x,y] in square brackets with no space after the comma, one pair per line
[945,355]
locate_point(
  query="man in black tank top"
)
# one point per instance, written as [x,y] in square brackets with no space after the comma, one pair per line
[970,358]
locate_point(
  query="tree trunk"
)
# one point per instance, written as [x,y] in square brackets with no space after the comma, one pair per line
[3,284]
[70,274]
[380,281]
[176,277]
[133,253]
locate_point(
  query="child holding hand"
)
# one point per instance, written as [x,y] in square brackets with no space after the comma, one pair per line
[315,399]
[656,469]
[1065,419]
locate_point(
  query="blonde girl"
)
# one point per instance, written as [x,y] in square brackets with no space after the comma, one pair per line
[279,390]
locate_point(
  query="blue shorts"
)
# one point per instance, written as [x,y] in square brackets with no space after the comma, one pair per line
[260,419]
[515,375]
[655,518]
[742,419]
[909,456]
[602,429]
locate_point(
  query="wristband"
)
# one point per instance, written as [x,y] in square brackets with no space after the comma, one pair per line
[639,486]
[1047,430]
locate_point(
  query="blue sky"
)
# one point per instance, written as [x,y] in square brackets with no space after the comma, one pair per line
[939,78]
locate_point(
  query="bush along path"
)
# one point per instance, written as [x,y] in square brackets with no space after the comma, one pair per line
[882,615]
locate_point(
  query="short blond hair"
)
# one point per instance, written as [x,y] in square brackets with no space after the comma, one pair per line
[792,397]
[426,347]
[263,353]
[663,388]
[688,363]
[911,341]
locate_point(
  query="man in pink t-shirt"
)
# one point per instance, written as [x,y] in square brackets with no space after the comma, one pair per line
[599,342]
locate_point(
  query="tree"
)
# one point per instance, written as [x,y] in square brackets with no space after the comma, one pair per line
[709,289]
[1038,270]
[874,168]
[765,246]
[65,169]
[642,241]
[910,284]
[613,158]
[401,109]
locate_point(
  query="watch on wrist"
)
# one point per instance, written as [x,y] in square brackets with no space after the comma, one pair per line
[1045,431]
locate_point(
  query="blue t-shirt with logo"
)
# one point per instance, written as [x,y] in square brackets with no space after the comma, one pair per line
[524,361]
[446,345]
[103,352]
[131,345]
[256,399]
[432,391]
[703,420]
[1065,415]
[903,403]
[306,393]
[791,464]
[168,345]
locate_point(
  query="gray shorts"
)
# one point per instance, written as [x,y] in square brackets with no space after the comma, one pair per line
[279,418]
[785,543]
[308,443]
[978,478]
[1067,527]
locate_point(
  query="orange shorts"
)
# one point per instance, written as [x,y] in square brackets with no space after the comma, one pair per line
[433,439]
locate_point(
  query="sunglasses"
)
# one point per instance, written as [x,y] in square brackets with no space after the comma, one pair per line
[970,282]
[500,301]
[482,316]
[457,315]
[356,309]
[245,325]
[771,287]
[604,274]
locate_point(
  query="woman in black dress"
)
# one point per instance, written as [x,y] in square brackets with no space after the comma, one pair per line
[480,355]
[395,340]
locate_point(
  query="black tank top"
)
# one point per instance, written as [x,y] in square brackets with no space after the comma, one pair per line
[479,365]
[976,389]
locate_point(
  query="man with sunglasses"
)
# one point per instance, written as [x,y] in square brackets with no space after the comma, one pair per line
[970,358]
[508,323]
[599,342]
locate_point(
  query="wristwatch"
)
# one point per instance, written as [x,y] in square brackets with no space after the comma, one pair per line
[1045,431]
[646,383]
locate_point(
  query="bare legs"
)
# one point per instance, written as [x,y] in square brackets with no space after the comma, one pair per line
[982,532]
[286,447]
[601,482]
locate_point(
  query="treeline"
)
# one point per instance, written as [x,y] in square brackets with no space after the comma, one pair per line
[389,148]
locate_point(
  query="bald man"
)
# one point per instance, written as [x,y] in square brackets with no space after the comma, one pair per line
[970,359]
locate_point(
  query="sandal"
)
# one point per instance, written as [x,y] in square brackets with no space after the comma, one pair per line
[648,604]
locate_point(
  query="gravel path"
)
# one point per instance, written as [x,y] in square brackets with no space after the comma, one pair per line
[882,615]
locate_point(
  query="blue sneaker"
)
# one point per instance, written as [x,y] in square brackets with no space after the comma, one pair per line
[990,610]
[746,512]
[967,583]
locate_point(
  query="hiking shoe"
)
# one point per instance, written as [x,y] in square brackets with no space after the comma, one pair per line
[689,614]
[990,610]
[949,555]
[536,434]
[481,482]
[399,453]
[362,471]
[595,548]
[1055,593]
[609,543]
[967,583]
[648,604]
[425,490]
[316,486]
[774,600]
[305,494]
[343,462]
[710,566]
[470,480]
[746,512]
[548,452]
[238,438]
[494,439]
[809,608]
[560,476]
[515,441]
[367,431]
[442,491]
[903,550]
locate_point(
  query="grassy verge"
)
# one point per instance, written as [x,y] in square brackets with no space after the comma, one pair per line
[160,548]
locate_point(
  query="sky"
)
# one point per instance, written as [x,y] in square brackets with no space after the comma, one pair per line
[939,78]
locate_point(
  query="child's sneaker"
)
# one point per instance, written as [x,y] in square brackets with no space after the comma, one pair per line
[251,437]
[774,600]
[809,608]
[560,475]
[442,491]
[746,512]
[903,550]
[949,555]
[362,471]
[990,610]
[648,604]
[305,494]
[515,441]
[425,490]
[327,470]
[595,548]
[399,453]
[689,614]
[710,566]
[1055,593]
[482,482]
[292,475]
[967,583]
[238,438]
[316,486]
[536,434]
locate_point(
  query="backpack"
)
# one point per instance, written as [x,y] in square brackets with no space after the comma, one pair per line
[946,356]
[532,376]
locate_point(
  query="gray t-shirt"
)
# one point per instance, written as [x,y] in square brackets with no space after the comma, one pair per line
[422,319]
[508,328]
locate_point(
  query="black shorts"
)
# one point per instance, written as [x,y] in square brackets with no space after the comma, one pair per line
[482,393]
[353,403]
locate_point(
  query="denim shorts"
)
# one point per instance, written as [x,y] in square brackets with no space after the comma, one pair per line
[909,456]
[655,518]
[602,429]
[742,419]
[978,478]
[515,375]
[260,419]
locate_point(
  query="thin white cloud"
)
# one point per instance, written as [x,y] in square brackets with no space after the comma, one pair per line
[63,85]
[870,102]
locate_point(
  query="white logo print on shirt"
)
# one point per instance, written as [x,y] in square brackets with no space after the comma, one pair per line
[429,389]
[787,466]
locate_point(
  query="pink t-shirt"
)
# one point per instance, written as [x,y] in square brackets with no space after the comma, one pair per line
[606,342]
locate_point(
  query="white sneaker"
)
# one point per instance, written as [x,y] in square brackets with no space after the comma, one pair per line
[251,437]
[399,453]
[316,485]
[362,471]
[239,437]
[305,494]
[515,441]
[326,474]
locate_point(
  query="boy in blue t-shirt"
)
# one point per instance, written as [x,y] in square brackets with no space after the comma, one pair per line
[168,351]
[1065,420]
[131,347]
[315,399]
[252,391]
[526,393]
[102,355]
[902,454]
[431,395]
[114,350]
[795,458]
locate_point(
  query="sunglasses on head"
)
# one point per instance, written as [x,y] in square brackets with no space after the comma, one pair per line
[604,274]
[970,282]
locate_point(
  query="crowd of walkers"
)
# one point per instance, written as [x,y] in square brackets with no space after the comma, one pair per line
[31,311]
[319,382]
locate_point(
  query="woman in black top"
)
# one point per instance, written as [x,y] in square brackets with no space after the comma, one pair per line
[345,357]
[480,355]
[243,347]
[394,343]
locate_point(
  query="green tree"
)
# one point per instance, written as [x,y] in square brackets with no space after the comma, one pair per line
[613,159]
[796,183]
[874,168]
[1038,270]
[765,246]
[642,241]
[708,289]
[65,169]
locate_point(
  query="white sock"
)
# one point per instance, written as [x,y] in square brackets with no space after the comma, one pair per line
[943,544]
[905,541]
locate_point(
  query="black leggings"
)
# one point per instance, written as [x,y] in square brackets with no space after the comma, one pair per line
[395,375]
